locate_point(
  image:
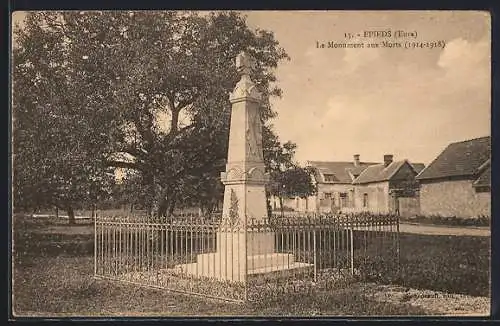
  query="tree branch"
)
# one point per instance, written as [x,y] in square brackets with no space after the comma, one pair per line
[121,164]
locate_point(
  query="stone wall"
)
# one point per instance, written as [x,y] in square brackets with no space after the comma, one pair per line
[409,206]
[453,198]
[335,203]
[377,195]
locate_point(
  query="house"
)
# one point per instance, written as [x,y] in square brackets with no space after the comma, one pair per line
[334,183]
[361,186]
[389,187]
[334,186]
[457,183]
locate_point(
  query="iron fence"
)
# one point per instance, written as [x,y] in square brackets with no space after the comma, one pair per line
[243,260]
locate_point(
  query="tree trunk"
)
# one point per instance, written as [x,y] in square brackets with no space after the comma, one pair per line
[162,207]
[71,215]
[269,207]
[156,208]
[57,212]
[281,207]
[175,120]
[92,213]
[171,206]
[167,201]
[151,201]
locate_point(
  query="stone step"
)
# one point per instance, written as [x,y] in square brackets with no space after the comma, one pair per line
[253,262]
[277,268]
[215,265]
[269,261]
[215,271]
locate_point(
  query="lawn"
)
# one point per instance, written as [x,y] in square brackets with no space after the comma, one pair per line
[53,267]
[480,221]
[454,264]
[63,285]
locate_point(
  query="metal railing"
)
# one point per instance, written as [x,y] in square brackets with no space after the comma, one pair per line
[246,260]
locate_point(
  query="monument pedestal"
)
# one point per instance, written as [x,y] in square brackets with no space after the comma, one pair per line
[229,263]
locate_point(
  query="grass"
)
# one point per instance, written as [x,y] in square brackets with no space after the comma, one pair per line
[53,268]
[63,285]
[454,264]
[480,221]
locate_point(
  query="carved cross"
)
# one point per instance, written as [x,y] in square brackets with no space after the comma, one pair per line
[244,63]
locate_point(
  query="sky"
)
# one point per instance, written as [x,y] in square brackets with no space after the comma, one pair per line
[407,102]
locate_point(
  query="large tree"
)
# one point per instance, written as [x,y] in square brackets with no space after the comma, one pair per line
[146,91]
[59,142]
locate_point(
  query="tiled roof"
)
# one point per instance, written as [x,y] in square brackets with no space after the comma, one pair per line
[484,178]
[459,159]
[379,172]
[418,166]
[340,170]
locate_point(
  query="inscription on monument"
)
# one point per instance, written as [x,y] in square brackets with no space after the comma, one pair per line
[254,136]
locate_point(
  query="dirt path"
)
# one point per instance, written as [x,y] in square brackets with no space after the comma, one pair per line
[444,230]
[77,217]
[435,302]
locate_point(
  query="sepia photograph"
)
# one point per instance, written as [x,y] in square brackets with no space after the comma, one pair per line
[250,163]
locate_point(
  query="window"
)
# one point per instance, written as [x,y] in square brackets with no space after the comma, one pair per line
[483,189]
[365,200]
[343,199]
[326,202]
[330,178]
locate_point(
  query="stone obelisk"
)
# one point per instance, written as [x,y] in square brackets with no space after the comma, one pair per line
[245,177]
[242,249]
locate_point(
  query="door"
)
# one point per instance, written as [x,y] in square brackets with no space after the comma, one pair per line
[395,205]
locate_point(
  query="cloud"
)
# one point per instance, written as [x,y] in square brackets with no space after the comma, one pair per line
[403,111]
[357,58]
[466,64]
[348,60]
[460,52]
[373,100]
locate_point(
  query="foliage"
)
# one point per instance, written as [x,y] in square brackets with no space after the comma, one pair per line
[59,142]
[146,91]
[288,179]
[296,182]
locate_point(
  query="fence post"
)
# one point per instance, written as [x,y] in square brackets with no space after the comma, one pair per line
[245,255]
[352,250]
[398,247]
[95,245]
[314,253]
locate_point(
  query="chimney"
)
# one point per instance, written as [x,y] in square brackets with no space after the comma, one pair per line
[356,159]
[387,159]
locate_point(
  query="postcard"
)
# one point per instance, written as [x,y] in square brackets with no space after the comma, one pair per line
[250,163]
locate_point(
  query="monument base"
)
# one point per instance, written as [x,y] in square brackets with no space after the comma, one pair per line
[217,266]
[228,263]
